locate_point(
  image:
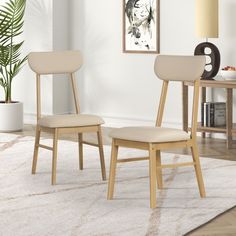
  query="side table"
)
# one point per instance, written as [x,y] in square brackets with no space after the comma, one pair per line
[224,84]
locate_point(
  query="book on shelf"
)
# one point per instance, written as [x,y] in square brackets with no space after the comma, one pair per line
[213,114]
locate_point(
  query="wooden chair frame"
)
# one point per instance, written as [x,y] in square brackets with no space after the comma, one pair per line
[57,131]
[155,166]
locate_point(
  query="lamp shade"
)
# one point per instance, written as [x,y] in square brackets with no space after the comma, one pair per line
[207,18]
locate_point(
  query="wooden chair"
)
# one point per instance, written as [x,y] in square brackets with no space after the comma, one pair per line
[154,139]
[66,62]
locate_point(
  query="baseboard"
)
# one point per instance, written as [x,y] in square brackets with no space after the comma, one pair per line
[117,122]
[30,119]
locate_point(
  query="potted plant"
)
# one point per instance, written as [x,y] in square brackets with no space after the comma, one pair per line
[11,23]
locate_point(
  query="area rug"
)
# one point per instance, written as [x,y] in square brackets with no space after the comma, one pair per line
[77,205]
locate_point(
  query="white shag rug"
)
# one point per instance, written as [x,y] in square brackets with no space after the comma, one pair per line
[77,205]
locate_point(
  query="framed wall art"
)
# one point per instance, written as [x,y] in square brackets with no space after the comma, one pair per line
[141,23]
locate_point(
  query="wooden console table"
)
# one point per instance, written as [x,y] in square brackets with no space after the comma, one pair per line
[226,84]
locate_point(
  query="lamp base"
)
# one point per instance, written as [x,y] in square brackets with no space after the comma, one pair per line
[212,67]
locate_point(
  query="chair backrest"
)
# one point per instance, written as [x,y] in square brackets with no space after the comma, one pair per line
[179,68]
[61,62]
[55,62]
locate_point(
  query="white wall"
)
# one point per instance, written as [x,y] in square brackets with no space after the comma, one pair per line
[118,85]
[45,29]
[114,84]
[37,35]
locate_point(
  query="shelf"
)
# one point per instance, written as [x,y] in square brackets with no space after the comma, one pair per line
[204,84]
[214,129]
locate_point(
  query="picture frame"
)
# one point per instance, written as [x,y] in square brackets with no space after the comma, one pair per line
[141,26]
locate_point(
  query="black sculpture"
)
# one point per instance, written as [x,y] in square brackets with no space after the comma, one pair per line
[214,59]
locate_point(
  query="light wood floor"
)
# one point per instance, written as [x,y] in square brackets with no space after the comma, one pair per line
[223,225]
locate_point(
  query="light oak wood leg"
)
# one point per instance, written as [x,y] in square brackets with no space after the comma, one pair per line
[101,153]
[185,107]
[198,170]
[152,176]
[54,156]
[159,170]
[111,183]
[36,149]
[80,139]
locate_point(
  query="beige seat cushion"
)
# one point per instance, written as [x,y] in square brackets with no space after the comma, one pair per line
[73,120]
[150,134]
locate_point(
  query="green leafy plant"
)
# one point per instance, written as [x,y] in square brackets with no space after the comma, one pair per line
[11,23]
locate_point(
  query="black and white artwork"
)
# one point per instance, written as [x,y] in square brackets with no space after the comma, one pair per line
[141,26]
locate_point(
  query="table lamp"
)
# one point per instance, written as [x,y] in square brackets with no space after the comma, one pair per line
[207,27]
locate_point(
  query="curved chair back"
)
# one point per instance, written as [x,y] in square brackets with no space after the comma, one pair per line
[55,62]
[60,62]
[179,68]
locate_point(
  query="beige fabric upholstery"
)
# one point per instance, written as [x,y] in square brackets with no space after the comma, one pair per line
[55,62]
[149,134]
[179,68]
[74,120]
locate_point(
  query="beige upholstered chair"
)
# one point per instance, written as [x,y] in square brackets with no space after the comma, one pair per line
[66,62]
[154,139]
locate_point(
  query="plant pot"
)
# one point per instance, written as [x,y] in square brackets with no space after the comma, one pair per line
[11,116]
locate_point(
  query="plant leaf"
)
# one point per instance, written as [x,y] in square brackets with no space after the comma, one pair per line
[11,23]
[11,19]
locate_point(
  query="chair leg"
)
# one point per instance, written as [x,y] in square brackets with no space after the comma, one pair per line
[111,183]
[54,156]
[159,170]
[152,176]
[36,149]
[198,171]
[101,153]
[80,139]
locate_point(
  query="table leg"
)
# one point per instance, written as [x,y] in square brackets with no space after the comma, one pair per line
[229,117]
[185,107]
[203,99]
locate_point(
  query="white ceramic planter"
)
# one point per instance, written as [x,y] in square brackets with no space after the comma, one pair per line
[11,116]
